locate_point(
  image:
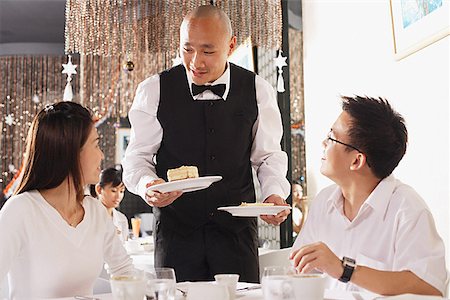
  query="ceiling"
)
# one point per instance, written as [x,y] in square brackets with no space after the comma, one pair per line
[32,27]
[37,26]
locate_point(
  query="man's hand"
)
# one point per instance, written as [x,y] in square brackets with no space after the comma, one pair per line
[318,257]
[281,216]
[157,199]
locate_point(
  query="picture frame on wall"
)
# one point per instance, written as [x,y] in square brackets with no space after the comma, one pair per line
[122,141]
[417,24]
[243,56]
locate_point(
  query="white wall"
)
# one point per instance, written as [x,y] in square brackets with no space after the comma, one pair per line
[348,49]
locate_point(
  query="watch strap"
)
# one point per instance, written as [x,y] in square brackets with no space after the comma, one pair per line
[349,266]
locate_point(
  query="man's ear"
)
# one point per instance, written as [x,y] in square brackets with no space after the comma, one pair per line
[232,45]
[358,162]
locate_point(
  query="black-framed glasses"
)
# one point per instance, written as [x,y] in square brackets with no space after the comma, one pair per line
[329,138]
[342,143]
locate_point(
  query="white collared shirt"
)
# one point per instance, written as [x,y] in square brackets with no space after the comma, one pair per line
[393,231]
[267,158]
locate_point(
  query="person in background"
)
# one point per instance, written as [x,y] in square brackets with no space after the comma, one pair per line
[299,208]
[223,119]
[370,231]
[54,240]
[110,190]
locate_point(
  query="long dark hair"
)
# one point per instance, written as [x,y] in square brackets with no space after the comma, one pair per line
[54,142]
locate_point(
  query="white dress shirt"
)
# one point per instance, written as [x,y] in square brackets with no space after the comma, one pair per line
[46,258]
[393,231]
[267,158]
[121,223]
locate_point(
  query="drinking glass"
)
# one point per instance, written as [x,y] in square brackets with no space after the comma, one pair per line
[128,287]
[136,226]
[277,284]
[160,283]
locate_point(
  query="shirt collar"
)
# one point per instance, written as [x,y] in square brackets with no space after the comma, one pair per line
[378,200]
[208,95]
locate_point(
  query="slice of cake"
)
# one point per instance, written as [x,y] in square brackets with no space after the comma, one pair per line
[257,204]
[182,172]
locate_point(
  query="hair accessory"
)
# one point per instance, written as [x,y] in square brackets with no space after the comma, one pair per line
[48,107]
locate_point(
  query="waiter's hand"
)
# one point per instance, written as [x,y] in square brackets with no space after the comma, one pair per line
[281,216]
[155,198]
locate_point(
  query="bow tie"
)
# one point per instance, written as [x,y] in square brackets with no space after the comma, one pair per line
[218,89]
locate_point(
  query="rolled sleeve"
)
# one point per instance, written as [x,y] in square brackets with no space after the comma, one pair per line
[420,250]
[267,157]
[145,140]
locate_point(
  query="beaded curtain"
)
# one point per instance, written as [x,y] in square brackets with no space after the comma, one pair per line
[27,83]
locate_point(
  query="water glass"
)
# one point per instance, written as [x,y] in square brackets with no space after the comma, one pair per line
[277,284]
[128,287]
[160,283]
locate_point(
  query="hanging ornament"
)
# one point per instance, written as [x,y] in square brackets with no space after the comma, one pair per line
[9,119]
[280,62]
[12,168]
[176,61]
[69,69]
[128,66]
[36,99]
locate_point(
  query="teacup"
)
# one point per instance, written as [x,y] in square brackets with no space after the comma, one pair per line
[230,280]
[308,286]
[207,290]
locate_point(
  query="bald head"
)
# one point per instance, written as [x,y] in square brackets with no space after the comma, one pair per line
[213,12]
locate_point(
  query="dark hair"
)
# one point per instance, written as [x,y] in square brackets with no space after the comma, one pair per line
[54,142]
[378,131]
[108,176]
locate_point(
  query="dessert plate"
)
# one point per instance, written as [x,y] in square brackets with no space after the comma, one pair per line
[185,185]
[253,210]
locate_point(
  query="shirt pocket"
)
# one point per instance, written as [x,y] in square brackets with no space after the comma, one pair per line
[365,260]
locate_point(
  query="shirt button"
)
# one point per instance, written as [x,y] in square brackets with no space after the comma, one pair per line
[211,214]
[211,130]
[212,157]
[211,103]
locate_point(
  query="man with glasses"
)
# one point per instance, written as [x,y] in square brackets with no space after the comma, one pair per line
[369,231]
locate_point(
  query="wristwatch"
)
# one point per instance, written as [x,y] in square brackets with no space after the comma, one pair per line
[349,265]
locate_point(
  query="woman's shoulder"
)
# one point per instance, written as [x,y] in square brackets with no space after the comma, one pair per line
[22,200]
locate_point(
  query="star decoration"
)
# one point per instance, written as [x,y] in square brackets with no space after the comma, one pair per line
[176,61]
[69,68]
[36,99]
[9,119]
[280,61]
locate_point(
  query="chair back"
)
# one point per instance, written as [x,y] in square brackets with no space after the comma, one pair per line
[278,257]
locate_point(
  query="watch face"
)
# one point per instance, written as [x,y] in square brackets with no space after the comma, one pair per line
[349,262]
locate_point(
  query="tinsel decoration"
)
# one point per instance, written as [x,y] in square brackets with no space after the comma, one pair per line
[117,27]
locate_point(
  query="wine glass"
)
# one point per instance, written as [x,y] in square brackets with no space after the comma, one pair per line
[160,283]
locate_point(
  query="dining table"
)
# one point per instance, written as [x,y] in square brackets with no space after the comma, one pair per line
[251,291]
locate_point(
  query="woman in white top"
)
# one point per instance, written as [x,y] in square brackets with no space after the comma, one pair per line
[110,190]
[54,240]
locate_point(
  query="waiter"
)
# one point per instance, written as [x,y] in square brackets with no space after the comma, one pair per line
[223,119]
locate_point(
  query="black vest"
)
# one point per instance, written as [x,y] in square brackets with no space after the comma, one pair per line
[215,136]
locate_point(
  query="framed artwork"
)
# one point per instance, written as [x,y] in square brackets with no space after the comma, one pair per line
[417,24]
[122,141]
[243,56]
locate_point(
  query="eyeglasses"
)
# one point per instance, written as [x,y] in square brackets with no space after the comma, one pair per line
[342,143]
[329,138]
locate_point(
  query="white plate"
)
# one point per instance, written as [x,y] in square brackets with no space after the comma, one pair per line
[253,211]
[185,185]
